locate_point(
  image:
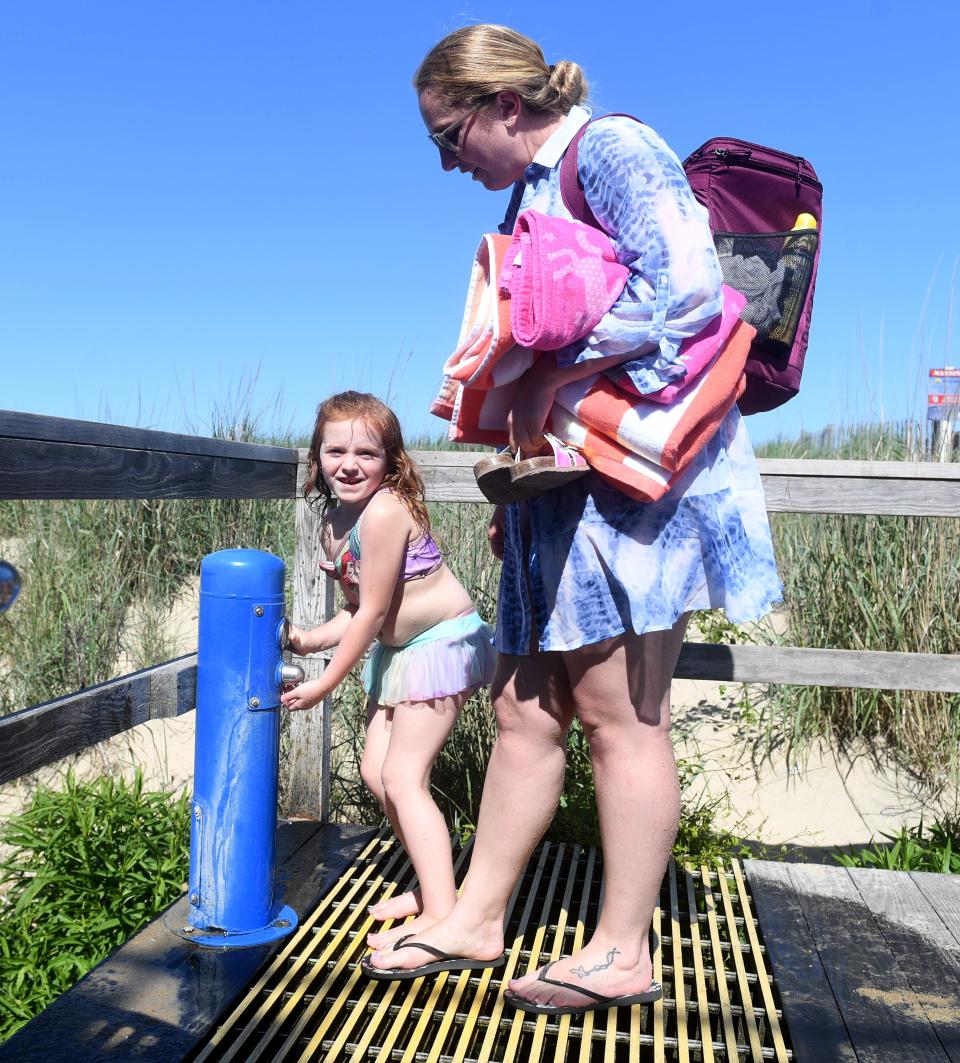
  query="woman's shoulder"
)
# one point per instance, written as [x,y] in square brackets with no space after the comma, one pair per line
[616,139]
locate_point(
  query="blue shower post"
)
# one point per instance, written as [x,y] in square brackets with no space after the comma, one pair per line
[239,678]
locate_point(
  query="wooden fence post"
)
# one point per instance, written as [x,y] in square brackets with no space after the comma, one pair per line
[307,767]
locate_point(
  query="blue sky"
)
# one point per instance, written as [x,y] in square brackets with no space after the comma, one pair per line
[212,204]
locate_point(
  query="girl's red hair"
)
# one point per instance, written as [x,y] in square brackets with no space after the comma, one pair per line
[401,477]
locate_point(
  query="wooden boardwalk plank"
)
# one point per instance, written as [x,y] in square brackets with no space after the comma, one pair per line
[723,991]
[943,893]
[36,470]
[875,998]
[679,993]
[864,669]
[813,1020]
[925,949]
[736,953]
[699,955]
[791,485]
[760,969]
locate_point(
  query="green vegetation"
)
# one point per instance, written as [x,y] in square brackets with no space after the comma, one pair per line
[912,849]
[85,563]
[871,583]
[88,867]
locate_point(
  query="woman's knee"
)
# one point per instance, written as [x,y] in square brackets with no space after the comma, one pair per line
[539,717]
[625,729]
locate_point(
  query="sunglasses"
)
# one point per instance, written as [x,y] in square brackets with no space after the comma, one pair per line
[449,139]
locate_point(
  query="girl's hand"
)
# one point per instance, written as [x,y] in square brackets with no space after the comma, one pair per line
[306,695]
[495,533]
[300,641]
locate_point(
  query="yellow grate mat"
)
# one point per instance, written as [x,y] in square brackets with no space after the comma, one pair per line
[314,1003]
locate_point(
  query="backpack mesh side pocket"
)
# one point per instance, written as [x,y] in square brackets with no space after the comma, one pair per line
[773,271]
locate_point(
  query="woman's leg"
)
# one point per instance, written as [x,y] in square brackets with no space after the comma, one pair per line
[416,738]
[622,690]
[534,708]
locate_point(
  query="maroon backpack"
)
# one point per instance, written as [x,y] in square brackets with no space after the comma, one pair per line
[755,197]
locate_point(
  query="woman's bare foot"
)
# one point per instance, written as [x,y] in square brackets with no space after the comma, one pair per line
[409,903]
[384,939]
[602,968]
[475,943]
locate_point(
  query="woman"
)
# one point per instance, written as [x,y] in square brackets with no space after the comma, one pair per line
[596,589]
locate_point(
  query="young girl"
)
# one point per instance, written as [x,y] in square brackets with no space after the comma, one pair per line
[433,648]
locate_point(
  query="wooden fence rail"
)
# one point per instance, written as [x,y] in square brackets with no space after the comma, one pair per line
[54,458]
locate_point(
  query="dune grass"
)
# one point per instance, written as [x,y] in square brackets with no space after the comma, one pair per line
[871,583]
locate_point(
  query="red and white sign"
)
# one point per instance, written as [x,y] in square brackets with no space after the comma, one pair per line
[943,400]
[948,372]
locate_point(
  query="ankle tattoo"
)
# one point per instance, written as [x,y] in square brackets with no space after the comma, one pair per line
[582,972]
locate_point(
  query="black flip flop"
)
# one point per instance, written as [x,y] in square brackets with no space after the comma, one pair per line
[602,1002]
[444,962]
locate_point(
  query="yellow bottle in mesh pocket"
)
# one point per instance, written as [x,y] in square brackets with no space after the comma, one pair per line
[797,261]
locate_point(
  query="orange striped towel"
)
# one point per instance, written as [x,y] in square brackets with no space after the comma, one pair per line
[641,446]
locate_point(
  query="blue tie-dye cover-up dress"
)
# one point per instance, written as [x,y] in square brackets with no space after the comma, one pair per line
[598,563]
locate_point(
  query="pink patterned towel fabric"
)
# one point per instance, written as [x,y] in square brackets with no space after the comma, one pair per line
[562,277]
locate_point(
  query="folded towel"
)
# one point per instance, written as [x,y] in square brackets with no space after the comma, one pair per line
[695,353]
[643,480]
[562,277]
[639,445]
[666,435]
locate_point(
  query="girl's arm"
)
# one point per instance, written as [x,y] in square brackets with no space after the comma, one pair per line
[384,533]
[323,637]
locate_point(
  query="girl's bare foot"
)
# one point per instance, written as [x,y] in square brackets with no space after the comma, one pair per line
[409,903]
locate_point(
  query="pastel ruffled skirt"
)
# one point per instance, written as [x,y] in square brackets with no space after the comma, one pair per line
[450,657]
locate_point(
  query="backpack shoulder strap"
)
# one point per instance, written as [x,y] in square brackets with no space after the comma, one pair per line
[571,187]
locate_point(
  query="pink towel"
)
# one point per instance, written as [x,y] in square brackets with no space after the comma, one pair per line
[669,436]
[696,353]
[562,277]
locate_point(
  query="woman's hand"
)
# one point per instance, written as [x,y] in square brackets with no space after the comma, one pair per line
[305,695]
[495,533]
[532,400]
[536,392]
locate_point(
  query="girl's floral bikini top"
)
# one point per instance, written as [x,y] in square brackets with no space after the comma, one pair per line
[423,557]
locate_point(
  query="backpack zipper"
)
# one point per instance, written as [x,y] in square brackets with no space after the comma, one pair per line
[728,157]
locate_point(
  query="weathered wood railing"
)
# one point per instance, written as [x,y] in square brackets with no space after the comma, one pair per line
[53,458]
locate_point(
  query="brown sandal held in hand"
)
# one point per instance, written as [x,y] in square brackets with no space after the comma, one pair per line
[505,477]
[493,477]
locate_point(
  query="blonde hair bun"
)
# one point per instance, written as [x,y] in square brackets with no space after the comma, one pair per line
[476,62]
